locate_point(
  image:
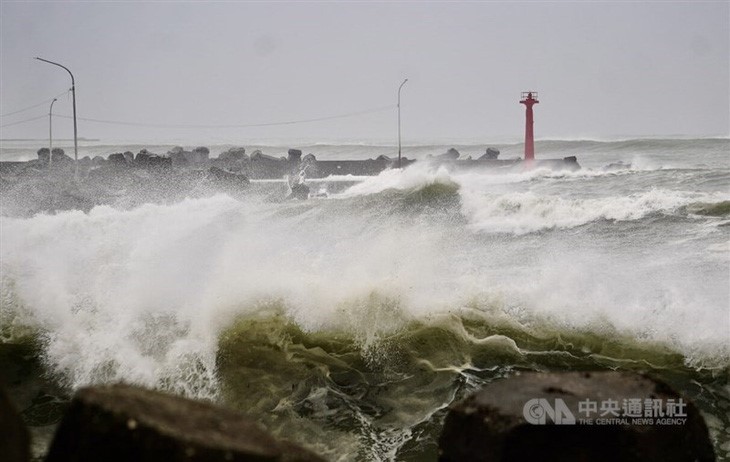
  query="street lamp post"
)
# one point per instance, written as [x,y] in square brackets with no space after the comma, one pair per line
[50,134]
[399,146]
[73,94]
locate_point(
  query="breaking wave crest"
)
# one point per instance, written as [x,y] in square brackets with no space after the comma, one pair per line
[141,295]
[371,382]
[351,321]
[488,207]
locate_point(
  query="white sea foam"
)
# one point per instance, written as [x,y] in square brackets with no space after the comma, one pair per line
[526,212]
[142,295]
[509,210]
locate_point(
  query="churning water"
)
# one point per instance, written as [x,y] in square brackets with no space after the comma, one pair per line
[350,321]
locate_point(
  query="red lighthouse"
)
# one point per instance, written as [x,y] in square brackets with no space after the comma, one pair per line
[529,98]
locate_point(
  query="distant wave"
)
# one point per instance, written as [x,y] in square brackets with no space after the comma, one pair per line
[525,212]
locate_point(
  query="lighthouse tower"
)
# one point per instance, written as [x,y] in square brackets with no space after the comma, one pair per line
[529,98]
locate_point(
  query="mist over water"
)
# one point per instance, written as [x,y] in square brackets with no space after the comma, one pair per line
[358,316]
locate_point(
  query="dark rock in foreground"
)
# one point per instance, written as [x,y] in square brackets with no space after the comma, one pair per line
[507,421]
[125,423]
[14,439]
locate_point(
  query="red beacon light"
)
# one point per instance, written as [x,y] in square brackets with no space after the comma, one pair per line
[529,98]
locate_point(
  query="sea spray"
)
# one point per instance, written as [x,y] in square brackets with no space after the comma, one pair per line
[349,322]
[184,265]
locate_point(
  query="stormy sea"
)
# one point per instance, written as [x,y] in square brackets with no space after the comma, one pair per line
[350,321]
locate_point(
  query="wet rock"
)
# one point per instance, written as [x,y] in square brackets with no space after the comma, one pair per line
[118,159]
[537,416]
[235,154]
[30,390]
[309,166]
[59,156]
[227,181]
[297,188]
[143,156]
[200,155]
[14,438]
[159,161]
[294,155]
[265,166]
[178,157]
[384,158]
[258,155]
[129,156]
[43,154]
[97,161]
[85,161]
[491,154]
[124,423]
[147,159]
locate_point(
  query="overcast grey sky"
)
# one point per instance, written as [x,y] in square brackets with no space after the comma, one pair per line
[602,69]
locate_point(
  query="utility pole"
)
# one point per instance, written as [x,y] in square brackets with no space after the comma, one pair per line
[50,134]
[399,146]
[73,94]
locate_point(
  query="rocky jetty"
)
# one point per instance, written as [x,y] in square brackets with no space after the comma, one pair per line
[235,153]
[127,179]
[181,157]
[233,159]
